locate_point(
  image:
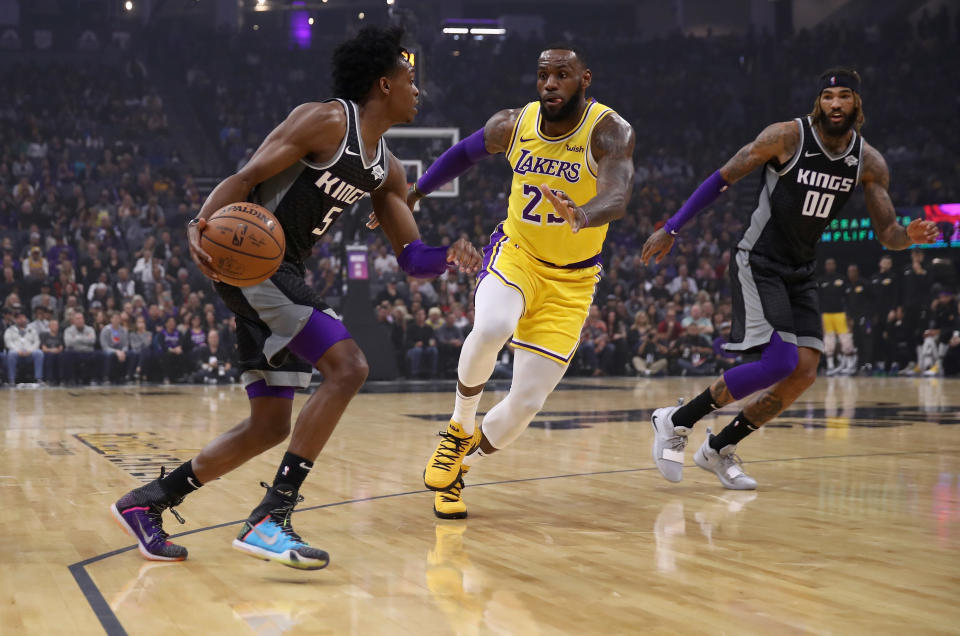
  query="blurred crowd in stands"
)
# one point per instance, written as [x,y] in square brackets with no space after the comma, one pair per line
[97,285]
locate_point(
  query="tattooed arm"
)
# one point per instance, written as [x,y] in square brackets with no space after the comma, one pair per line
[777,141]
[876,179]
[612,145]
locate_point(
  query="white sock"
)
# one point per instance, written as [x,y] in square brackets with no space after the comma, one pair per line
[474,458]
[465,411]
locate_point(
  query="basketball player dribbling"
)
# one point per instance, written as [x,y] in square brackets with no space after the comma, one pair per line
[572,174]
[811,167]
[320,160]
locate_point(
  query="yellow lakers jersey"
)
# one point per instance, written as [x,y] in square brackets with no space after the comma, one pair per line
[561,163]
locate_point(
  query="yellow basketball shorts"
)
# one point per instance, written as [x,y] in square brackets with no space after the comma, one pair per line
[835,323]
[556,300]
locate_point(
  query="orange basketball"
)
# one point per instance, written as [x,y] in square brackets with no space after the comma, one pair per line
[246,243]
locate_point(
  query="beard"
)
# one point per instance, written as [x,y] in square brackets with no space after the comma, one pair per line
[837,130]
[565,111]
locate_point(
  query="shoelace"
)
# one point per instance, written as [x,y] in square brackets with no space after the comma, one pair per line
[678,442]
[451,449]
[732,460]
[453,494]
[282,513]
[156,511]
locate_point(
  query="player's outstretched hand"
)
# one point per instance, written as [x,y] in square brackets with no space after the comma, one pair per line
[465,256]
[372,221]
[657,246]
[921,231]
[197,253]
[566,208]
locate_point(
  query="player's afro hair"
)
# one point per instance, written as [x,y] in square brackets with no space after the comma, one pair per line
[358,63]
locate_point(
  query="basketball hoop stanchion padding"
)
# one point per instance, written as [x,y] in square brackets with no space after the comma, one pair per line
[372,337]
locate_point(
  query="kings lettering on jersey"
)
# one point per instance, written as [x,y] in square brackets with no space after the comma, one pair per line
[308,198]
[564,164]
[797,200]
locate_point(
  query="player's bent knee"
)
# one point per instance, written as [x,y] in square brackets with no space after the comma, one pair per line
[493,332]
[351,372]
[527,405]
[783,364]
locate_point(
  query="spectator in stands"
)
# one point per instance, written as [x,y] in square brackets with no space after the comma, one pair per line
[385,262]
[693,353]
[595,352]
[114,343]
[22,342]
[36,269]
[643,347]
[80,361]
[392,294]
[449,342]
[125,287]
[51,344]
[683,276]
[214,364]
[171,361]
[41,321]
[141,347]
[698,318]
[421,347]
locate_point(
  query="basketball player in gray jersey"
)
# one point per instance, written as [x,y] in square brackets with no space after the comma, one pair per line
[321,159]
[811,166]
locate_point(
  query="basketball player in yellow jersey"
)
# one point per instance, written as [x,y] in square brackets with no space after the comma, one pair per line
[572,174]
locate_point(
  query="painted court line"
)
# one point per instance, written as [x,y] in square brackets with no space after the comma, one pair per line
[111,623]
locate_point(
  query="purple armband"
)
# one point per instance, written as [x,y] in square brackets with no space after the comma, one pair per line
[453,163]
[423,261]
[704,195]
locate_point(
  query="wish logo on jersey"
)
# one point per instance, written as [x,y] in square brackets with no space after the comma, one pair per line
[528,162]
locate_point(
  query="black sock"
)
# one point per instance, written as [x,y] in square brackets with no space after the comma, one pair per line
[180,482]
[688,414]
[293,470]
[733,432]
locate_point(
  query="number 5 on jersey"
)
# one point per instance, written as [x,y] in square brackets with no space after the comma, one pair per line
[332,215]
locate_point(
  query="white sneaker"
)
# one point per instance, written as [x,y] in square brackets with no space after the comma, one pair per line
[669,441]
[725,465]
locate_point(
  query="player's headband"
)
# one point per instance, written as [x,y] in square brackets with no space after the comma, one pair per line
[840,79]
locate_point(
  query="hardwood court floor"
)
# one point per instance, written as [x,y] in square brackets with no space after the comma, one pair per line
[855,527]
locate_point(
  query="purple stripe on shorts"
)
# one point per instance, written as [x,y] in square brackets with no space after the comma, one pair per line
[320,333]
[260,388]
[488,250]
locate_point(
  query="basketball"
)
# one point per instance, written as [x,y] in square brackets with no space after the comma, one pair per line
[246,243]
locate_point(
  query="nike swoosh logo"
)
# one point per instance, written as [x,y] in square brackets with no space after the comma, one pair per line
[266,539]
[522,140]
[812,154]
[192,483]
[149,538]
[304,466]
[350,152]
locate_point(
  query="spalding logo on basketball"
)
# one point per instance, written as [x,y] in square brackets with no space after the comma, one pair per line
[246,243]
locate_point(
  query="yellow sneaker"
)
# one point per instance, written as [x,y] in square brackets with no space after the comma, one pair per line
[443,468]
[449,504]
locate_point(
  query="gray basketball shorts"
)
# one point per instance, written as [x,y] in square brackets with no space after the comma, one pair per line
[769,297]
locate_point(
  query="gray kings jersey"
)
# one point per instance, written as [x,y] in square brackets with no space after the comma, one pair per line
[307,198]
[799,199]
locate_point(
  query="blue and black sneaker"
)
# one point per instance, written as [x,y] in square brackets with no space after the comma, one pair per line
[268,534]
